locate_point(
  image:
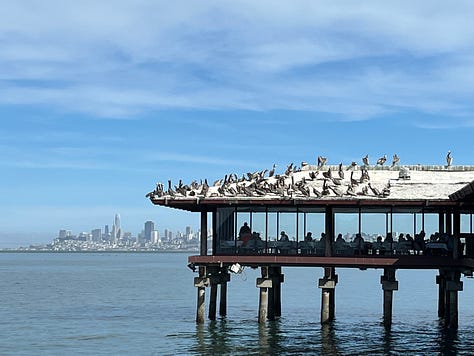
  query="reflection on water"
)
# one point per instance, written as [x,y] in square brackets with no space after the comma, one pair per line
[284,337]
[328,340]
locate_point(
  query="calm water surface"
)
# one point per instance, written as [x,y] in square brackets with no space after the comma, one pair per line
[114,304]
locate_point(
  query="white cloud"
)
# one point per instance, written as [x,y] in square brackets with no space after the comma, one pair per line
[355,60]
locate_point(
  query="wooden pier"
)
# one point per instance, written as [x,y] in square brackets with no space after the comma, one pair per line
[439,200]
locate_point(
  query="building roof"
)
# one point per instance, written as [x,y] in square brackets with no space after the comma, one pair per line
[321,185]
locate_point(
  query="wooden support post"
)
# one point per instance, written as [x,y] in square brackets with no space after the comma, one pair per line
[329,231]
[441,282]
[456,234]
[441,227]
[389,284]
[277,290]
[328,290]
[449,223]
[223,300]
[263,283]
[201,305]
[453,286]
[203,237]
[200,283]
[213,302]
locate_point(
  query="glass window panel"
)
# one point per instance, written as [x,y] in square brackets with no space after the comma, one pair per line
[258,224]
[315,222]
[272,226]
[347,224]
[373,225]
[402,224]
[243,217]
[431,224]
[288,224]
[465,223]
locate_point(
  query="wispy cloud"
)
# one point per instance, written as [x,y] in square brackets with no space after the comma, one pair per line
[357,61]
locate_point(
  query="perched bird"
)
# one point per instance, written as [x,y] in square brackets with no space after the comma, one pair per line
[340,171]
[316,192]
[351,166]
[272,171]
[365,160]
[382,160]
[328,174]
[321,161]
[395,160]
[449,159]
[313,175]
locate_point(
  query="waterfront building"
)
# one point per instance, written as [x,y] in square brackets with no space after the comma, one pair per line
[437,202]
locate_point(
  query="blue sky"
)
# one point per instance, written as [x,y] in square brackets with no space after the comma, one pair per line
[101,100]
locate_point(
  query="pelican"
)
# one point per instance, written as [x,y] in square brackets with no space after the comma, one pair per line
[272,171]
[328,174]
[395,160]
[382,160]
[449,159]
[341,172]
[366,160]
[352,166]
[321,161]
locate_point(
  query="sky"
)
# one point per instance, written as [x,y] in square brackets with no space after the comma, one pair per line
[100,100]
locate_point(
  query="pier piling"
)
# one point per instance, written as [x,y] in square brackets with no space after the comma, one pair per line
[328,291]
[389,284]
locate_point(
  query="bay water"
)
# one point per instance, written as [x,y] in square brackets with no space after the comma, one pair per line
[145,304]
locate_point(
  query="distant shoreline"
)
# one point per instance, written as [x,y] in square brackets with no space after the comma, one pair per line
[107,251]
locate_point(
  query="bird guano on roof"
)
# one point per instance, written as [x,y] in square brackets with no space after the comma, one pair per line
[334,182]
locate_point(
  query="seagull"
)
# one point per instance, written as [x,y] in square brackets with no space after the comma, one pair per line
[321,161]
[382,160]
[395,160]
[449,159]
[366,160]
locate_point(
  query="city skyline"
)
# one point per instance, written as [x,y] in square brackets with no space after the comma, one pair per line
[98,103]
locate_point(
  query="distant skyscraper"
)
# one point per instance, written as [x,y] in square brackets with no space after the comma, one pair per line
[96,235]
[116,229]
[149,227]
[188,233]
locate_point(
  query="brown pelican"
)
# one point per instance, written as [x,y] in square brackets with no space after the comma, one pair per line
[352,166]
[340,171]
[289,169]
[272,171]
[374,189]
[316,192]
[327,174]
[395,160]
[350,190]
[365,160]
[313,175]
[449,159]
[321,161]
[382,160]
[353,181]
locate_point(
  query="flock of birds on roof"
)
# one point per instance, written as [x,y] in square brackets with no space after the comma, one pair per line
[309,182]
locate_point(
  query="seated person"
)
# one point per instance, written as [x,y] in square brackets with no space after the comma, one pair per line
[245,233]
[309,237]
[340,238]
[359,243]
[283,236]
[389,237]
[401,238]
